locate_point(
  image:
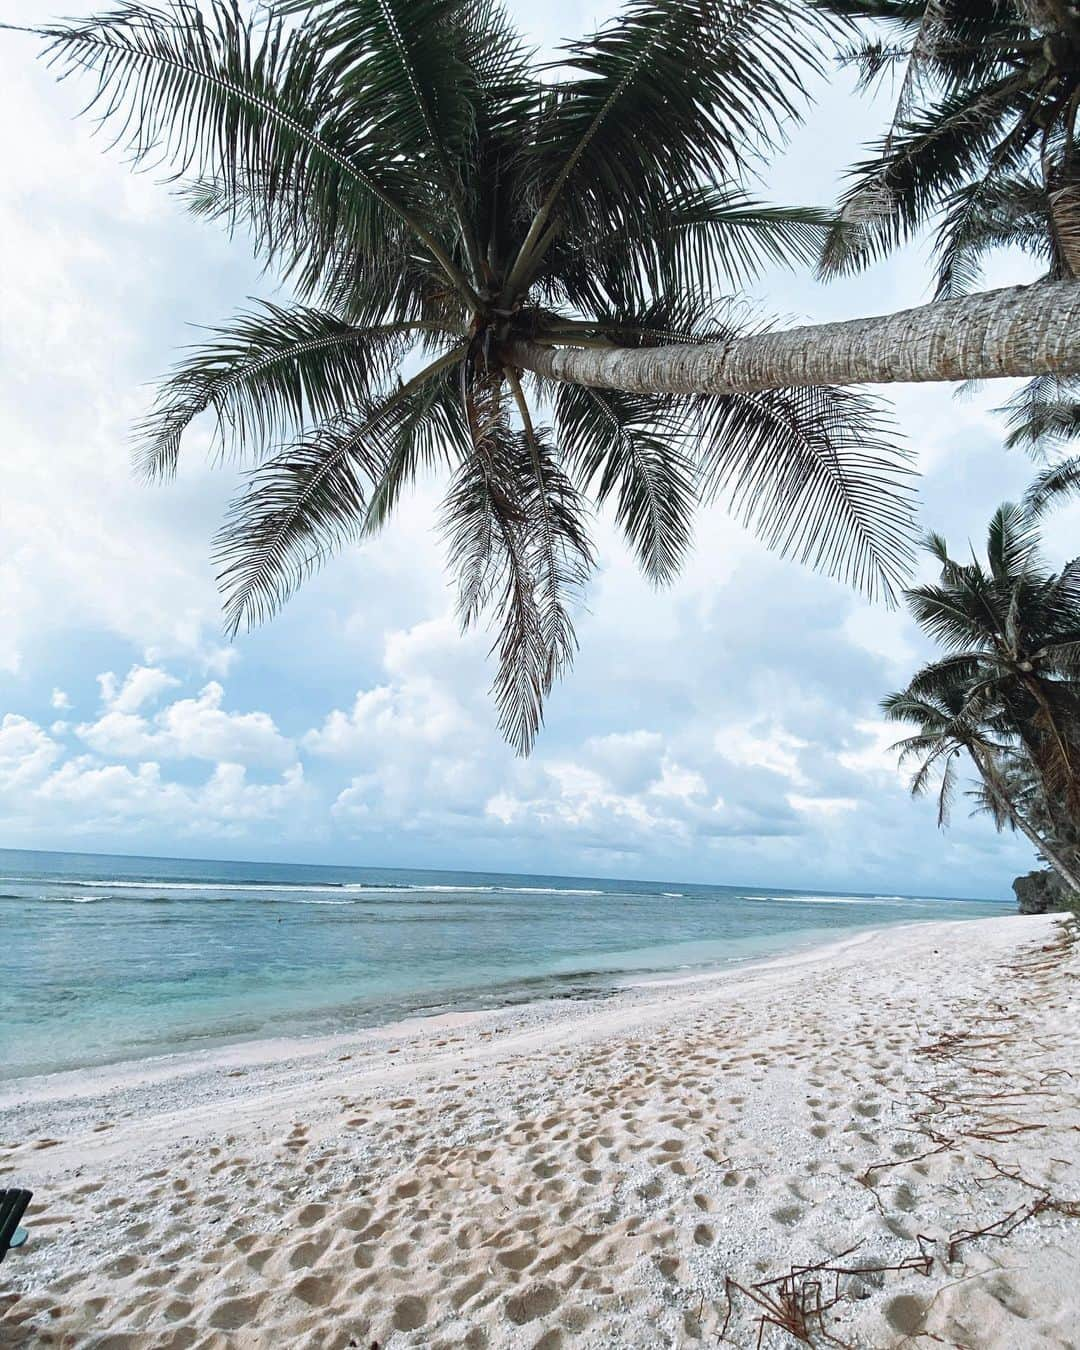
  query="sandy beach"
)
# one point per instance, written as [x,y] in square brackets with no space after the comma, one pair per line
[654,1168]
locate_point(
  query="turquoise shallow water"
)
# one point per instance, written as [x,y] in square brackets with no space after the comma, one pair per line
[107,958]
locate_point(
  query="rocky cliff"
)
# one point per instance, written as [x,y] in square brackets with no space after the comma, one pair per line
[1040,892]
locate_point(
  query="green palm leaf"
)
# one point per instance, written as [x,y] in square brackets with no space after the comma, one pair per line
[628,447]
[933,154]
[1054,485]
[513,523]
[811,472]
[666,93]
[269,371]
[309,500]
[1012,545]
[995,212]
[1044,414]
[403,71]
[199,86]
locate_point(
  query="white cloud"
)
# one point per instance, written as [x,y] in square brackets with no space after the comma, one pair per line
[822,806]
[419,705]
[772,748]
[189,728]
[882,633]
[682,784]
[142,684]
[629,759]
[876,758]
[115,797]
[90,315]
[232,802]
[382,716]
[575,801]
[60,700]
[26,752]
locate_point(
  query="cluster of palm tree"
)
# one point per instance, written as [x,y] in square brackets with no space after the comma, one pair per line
[1006,692]
[983,149]
[531,277]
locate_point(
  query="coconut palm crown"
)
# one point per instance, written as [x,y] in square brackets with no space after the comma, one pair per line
[1007,690]
[983,141]
[432,193]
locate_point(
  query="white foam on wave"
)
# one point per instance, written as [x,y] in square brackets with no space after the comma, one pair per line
[201,886]
[546,890]
[818,899]
[923,899]
[478,890]
[290,888]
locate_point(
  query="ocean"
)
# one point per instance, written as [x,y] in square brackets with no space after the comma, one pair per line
[108,958]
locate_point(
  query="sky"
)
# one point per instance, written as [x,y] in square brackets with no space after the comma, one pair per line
[724,730]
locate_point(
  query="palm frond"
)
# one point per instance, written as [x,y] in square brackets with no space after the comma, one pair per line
[268,372]
[1012,543]
[939,680]
[946,791]
[515,535]
[994,212]
[309,500]
[1044,414]
[873,59]
[933,154]
[201,88]
[627,447]
[665,93]
[405,72]
[949,619]
[813,473]
[1053,485]
[431,433]
[713,240]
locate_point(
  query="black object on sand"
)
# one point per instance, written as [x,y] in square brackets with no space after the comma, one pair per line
[12,1207]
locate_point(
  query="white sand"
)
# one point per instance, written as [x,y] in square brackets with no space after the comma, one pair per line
[584,1174]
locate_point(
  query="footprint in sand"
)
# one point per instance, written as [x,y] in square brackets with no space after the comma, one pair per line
[317,1291]
[410,1313]
[536,1301]
[233,1314]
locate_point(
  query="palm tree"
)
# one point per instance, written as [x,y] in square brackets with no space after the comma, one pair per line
[1007,691]
[949,727]
[1018,793]
[593,137]
[433,201]
[983,140]
[444,210]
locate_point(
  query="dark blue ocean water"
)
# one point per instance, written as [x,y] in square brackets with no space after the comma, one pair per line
[106,958]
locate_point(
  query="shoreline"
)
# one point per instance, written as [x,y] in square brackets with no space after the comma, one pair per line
[587,1173]
[199,1051]
[632,993]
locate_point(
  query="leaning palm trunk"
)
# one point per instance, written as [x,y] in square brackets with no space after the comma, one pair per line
[1023,330]
[1009,809]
